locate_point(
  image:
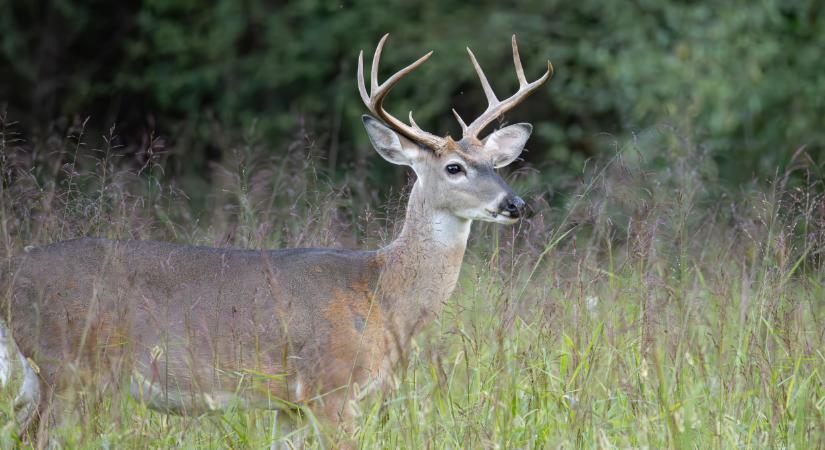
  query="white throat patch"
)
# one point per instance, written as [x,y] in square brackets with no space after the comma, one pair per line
[449,230]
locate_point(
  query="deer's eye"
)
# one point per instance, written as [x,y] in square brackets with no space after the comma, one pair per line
[453,169]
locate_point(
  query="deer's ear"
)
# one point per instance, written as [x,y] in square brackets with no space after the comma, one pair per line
[504,145]
[390,145]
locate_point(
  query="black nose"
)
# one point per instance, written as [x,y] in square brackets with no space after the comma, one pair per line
[513,205]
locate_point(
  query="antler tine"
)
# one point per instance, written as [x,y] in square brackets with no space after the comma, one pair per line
[460,121]
[488,90]
[362,88]
[375,99]
[522,80]
[495,107]
[412,122]
[393,80]
[376,58]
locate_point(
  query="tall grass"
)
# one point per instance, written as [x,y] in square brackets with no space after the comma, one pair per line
[645,308]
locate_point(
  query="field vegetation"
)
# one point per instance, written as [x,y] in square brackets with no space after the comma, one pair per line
[665,289]
[638,308]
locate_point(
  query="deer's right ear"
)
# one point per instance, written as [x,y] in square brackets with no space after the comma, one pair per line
[390,145]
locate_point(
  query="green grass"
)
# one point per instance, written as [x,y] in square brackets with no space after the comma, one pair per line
[648,310]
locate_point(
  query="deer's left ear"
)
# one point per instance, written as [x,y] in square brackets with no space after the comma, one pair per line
[506,144]
[392,146]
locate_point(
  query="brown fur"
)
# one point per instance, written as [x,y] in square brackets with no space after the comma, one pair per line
[192,320]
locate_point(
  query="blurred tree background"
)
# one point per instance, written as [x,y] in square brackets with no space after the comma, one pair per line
[745,80]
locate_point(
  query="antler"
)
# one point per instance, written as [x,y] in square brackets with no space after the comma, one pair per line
[375,99]
[496,107]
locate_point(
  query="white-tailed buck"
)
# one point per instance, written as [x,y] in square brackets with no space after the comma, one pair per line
[195,329]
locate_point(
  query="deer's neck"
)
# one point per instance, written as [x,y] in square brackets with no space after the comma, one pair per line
[421,267]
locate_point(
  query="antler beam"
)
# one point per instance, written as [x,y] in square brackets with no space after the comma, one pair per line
[496,107]
[375,99]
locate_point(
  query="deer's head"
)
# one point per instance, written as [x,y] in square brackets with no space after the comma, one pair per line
[458,177]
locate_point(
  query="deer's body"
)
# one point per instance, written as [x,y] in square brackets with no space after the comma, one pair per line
[200,328]
[196,329]
[189,323]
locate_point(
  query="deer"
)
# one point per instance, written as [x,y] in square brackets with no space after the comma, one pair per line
[190,330]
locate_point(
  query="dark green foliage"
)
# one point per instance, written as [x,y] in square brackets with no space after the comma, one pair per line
[746,78]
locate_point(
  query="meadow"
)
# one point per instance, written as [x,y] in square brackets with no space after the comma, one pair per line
[640,304]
